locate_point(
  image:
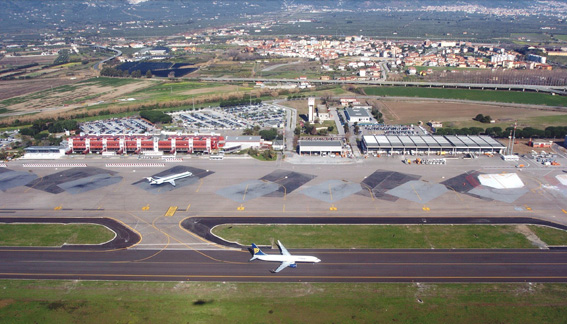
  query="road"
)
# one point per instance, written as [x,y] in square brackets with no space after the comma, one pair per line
[562,90]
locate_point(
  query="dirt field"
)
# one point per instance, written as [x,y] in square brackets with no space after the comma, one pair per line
[14,88]
[24,60]
[455,113]
[64,100]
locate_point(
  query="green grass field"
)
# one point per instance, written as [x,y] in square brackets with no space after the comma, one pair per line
[110,82]
[169,91]
[53,234]
[54,301]
[389,236]
[474,95]
[550,236]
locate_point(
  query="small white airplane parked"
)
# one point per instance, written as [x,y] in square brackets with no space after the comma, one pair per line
[171,178]
[285,257]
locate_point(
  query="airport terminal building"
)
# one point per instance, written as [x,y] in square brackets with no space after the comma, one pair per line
[142,144]
[430,144]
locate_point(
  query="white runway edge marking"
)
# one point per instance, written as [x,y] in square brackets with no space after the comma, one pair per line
[55,165]
[130,165]
[3,165]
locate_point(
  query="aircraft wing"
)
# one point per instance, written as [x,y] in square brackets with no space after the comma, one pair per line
[172,182]
[282,248]
[282,266]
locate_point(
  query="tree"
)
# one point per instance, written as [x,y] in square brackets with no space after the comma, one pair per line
[494,131]
[308,128]
[269,134]
[155,116]
[248,131]
[137,74]
[476,130]
[149,74]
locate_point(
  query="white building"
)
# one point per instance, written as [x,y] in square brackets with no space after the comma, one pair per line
[319,147]
[237,143]
[311,107]
[44,152]
[358,115]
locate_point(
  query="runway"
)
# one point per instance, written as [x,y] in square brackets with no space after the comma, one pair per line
[115,260]
[336,266]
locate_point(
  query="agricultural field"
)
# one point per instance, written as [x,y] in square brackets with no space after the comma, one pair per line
[67,95]
[25,60]
[228,69]
[184,90]
[459,114]
[530,98]
[59,301]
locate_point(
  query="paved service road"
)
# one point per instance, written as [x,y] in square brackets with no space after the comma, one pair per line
[336,266]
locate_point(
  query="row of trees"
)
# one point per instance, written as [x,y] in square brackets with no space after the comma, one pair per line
[527,132]
[268,155]
[296,97]
[49,125]
[239,102]
[156,116]
[117,73]
[267,134]
[377,115]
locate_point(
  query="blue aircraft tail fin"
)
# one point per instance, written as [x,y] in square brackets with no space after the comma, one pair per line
[255,250]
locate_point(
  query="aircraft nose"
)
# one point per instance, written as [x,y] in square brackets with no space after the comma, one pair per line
[318,260]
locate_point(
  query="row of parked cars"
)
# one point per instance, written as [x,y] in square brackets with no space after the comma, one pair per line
[117,126]
[238,117]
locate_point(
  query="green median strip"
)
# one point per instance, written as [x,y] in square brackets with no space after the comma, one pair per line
[53,234]
[389,236]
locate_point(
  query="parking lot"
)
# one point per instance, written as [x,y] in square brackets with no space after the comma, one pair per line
[117,126]
[232,118]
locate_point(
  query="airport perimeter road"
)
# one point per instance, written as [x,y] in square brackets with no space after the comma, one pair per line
[336,266]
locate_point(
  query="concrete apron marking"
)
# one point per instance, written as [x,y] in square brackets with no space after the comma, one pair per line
[171,211]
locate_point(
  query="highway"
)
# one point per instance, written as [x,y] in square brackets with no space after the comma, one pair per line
[561,90]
